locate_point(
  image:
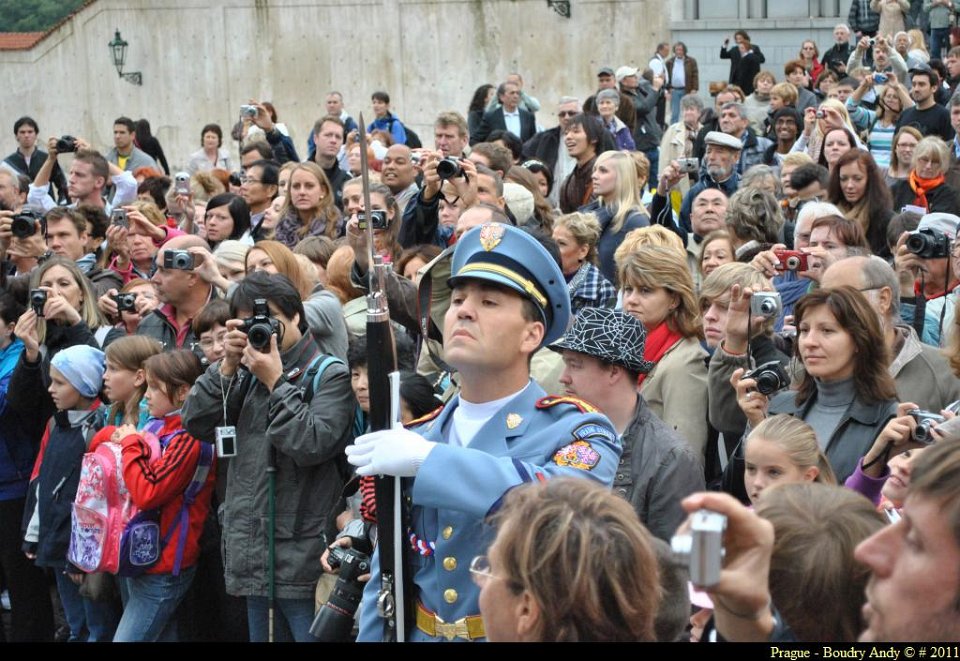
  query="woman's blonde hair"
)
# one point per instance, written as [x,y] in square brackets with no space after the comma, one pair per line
[585,559]
[799,441]
[89,313]
[656,266]
[935,149]
[626,194]
[325,209]
[585,230]
[652,235]
[130,353]
[150,211]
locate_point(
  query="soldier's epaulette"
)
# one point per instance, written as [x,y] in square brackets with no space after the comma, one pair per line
[425,418]
[552,400]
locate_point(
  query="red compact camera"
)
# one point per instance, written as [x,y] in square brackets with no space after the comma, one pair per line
[792,260]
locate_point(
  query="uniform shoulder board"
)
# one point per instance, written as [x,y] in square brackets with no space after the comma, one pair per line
[424,418]
[552,400]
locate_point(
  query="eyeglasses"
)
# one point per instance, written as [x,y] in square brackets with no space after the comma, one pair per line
[244,179]
[480,570]
[567,113]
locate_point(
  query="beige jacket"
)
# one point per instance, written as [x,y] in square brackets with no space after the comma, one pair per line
[676,391]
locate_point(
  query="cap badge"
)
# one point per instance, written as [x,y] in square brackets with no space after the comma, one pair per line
[513,421]
[490,235]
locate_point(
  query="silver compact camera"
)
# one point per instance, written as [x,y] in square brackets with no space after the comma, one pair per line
[687,165]
[702,547]
[226,441]
[766,304]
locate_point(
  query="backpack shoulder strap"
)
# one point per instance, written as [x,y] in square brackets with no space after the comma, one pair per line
[315,374]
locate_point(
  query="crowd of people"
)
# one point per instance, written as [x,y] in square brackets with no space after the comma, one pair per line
[665,319]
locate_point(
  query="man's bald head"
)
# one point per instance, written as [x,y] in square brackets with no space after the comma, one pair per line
[870,275]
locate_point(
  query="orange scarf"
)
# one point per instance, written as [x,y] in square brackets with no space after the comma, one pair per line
[922,186]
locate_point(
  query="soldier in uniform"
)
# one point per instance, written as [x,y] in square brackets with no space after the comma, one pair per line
[509,299]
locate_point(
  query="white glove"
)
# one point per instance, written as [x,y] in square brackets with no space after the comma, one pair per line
[396,452]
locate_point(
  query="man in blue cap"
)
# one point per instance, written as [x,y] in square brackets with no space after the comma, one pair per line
[509,298]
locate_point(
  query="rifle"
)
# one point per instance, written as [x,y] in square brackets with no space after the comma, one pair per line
[384,383]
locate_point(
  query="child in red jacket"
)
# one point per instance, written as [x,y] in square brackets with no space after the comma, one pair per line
[151,599]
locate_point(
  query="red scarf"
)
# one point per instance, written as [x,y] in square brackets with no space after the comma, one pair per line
[659,341]
[922,186]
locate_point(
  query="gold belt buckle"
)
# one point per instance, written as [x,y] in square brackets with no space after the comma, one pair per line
[451,630]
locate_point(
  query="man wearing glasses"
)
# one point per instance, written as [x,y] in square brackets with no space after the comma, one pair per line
[259,185]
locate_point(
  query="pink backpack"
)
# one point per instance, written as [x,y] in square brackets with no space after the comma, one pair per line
[102,508]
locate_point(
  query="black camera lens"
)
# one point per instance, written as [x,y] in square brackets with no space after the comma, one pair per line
[928,244]
[67,144]
[24,224]
[448,168]
[259,336]
[126,302]
[38,299]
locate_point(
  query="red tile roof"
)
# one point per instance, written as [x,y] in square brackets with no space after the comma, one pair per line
[27,40]
[19,40]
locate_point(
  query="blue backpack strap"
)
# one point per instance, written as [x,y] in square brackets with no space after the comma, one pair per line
[315,374]
[189,496]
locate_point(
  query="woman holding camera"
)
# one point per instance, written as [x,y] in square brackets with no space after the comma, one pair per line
[926,187]
[269,422]
[857,188]
[658,290]
[310,209]
[892,99]
[617,205]
[845,392]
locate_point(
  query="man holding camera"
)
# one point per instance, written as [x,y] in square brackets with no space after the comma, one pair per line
[421,220]
[509,299]
[603,358]
[720,159]
[183,293]
[89,175]
[254,402]
[735,121]
[929,277]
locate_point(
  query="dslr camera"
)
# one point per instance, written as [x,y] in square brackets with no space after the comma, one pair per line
[334,620]
[66,144]
[928,243]
[792,260]
[25,223]
[687,165]
[449,168]
[766,304]
[377,216]
[702,547]
[182,260]
[770,377]
[261,326]
[38,299]
[125,302]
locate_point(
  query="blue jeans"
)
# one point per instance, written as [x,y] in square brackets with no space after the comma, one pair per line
[654,157]
[939,40]
[149,604]
[675,96]
[291,620]
[89,621]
